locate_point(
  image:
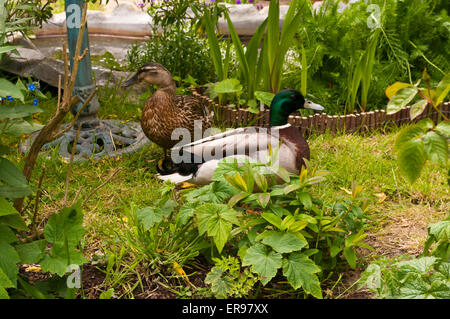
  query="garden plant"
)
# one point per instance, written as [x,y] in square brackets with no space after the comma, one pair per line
[367,216]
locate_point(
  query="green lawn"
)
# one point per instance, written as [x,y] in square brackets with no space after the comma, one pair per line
[400,220]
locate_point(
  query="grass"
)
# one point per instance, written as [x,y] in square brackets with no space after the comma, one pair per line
[399,224]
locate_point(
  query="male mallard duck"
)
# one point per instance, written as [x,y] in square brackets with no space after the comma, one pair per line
[199,159]
[166,111]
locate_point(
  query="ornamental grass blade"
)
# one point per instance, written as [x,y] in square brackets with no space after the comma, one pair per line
[244,68]
[273,32]
[214,48]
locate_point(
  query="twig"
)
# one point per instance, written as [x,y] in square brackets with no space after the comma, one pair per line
[59,92]
[37,200]
[101,185]
[76,196]
[68,101]
[88,100]
[69,170]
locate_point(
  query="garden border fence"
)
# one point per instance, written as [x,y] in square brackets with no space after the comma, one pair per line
[321,123]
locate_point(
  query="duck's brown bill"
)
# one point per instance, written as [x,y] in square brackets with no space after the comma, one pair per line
[130,81]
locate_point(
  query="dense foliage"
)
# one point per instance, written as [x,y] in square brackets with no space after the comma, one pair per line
[410,35]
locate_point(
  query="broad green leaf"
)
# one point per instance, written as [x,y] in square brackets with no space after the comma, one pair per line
[216,220]
[9,89]
[149,216]
[65,231]
[401,99]
[283,242]
[228,86]
[31,253]
[414,288]
[8,48]
[298,225]
[5,150]
[301,272]
[406,135]
[264,97]
[14,220]
[5,282]
[3,293]
[442,89]
[264,260]
[8,262]
[273,219]
[14,191]
[219,229]
[444,128]
[334,250]
[420,266]
[7,208]
[11,175]
[350,255]
[65,226]
[417,109]
[436,147]
[371,277]
[394,88]
[411,158]
[291,188]
[7,235]
[20,111]
[263,199]
[440,230]
[108,294]
[236,198]
[186,212]
[287,221]
[17,128]
[54,265]
[306,200]
[261,182]
[425,124]
[220,286]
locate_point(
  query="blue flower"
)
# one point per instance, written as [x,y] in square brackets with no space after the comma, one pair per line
[35,102]
[10,98]
[31,87]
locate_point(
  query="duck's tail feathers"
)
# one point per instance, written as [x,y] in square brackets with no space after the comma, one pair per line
[175,178]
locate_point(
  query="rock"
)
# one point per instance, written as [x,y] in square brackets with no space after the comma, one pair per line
[32,63]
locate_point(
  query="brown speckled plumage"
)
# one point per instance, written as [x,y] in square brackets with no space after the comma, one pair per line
[166,111]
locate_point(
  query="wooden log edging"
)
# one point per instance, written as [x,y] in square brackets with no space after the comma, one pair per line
[335,124]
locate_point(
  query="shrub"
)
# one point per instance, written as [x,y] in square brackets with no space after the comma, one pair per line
[276,228]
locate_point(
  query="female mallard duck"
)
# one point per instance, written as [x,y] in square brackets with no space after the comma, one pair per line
[166,111]
[199,159]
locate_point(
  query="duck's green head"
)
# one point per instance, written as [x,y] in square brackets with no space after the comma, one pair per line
[286,102]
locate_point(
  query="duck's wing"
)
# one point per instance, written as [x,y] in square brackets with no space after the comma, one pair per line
[246,141]
[195,107]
